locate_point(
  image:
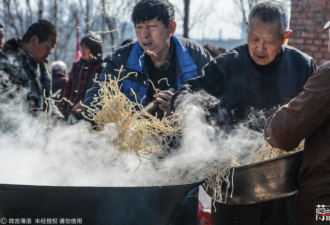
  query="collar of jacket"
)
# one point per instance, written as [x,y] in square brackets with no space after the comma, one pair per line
[187,65]
[59,74]
[31,67]
[2,54]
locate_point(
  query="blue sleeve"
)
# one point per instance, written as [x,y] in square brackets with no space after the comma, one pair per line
[93,92]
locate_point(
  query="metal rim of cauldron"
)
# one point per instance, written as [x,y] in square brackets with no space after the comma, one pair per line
[197,183]
[295,156]
[99,205]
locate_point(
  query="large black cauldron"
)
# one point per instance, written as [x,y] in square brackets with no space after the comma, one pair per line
[155,205]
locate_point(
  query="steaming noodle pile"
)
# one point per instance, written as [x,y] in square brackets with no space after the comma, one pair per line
[220,178]
[134,128]
[266,151]
[216,179]
[137,131]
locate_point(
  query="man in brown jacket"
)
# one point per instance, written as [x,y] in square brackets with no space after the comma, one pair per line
[308,116]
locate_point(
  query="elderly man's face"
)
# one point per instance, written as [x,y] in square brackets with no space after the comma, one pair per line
[264,41]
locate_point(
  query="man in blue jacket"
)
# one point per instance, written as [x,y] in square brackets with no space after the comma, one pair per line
[157,57]
[158,63]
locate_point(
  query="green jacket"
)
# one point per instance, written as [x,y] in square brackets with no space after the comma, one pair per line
[22,72]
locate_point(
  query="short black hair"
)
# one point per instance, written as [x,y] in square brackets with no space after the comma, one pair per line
[270,12]
[149,9]
[1,26]
[94,43]
[43,29]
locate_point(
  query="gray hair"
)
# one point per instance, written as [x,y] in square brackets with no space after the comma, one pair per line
[270,12]
[59,65]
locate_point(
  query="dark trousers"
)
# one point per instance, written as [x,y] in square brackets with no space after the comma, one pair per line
[275,212]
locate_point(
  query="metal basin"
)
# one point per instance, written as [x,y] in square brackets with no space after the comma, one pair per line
[97,205]
[263,181]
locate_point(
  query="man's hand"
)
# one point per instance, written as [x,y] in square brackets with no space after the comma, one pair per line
[77,108]
[163,98]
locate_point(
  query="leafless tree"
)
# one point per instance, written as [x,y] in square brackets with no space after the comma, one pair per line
[55,12]
[192,19]
[28,19]
[108,18]
[245,7]
[121,12]
[41,9]
[186,18]
[85,9]
[103,17]
[14,18]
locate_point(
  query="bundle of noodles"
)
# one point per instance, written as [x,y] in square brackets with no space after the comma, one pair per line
[135,129]
[266,151]
[218,180]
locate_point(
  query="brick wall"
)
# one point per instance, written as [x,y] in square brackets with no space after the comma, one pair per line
[307,20]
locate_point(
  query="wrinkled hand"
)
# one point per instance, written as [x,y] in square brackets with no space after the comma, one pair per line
[163,98]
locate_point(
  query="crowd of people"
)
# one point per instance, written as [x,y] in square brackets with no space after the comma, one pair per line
[160,67]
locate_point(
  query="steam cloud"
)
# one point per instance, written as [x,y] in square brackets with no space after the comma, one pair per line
[72,155]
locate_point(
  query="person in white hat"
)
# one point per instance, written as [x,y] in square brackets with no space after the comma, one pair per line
[307,116]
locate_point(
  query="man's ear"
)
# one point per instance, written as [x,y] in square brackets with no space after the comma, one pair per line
[172,27]
[287,34]
[247,27]
[34,40]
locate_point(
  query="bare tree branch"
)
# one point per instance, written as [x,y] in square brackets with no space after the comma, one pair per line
[186,19]
[29,16]
[41,9]
[10,21]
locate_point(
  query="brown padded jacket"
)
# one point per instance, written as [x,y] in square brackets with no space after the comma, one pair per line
[307,116]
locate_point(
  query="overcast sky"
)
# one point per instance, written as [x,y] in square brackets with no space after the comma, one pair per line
[210,17]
